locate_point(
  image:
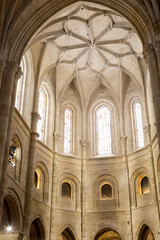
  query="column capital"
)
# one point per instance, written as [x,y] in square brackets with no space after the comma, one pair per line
[19,73]
[148,51]
[2,64]
[157,45]
[84,143]
[11,66]
[123,139]
[56,136]
[35,116]
[147,129]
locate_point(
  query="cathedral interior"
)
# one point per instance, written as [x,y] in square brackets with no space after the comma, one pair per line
[80,120]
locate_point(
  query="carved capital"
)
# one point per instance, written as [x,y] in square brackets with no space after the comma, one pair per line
[2,65]
[157,45]
[35,116]
[148,51]
[18,74]
[123,139]
[56,136]
[11,66]
[146,129]
[20,236]
[84,143]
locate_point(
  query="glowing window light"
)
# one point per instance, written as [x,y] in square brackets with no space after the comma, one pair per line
[19,89]
[42,112]
[67,130]
[103,130]
[138,125]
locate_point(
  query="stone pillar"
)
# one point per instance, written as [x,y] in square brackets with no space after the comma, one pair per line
[124,156]
[157,48]
[153,60]
[5,105]
[56,138]
[83,190]
[56,143]
[150,55]
[2,66]
[8,139]
[30,176]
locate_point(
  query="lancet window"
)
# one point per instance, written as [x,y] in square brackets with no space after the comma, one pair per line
[68,116]
[103,130]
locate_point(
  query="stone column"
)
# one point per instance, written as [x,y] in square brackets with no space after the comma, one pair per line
[2,66]
[124,157]
[83,190]
[150,55]
[30,176]
[157,48]
[56,138]
[56,143]
[8,139]
[5,105]
[153,60]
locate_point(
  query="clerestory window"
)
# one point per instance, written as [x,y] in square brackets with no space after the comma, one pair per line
[21,87]
[43,110]
[138,125]
[103,130]
[68,116]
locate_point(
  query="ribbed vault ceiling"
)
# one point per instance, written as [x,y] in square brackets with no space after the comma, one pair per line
[89,42]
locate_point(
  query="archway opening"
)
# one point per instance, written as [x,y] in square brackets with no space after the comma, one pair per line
[107,234]
[146,233]
[37,231]
[67,235]
[10,215]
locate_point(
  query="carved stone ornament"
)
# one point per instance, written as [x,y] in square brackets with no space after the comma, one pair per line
[84,143]
[35,116]
[2,65]
[56,136]
[18,74]
[148,51]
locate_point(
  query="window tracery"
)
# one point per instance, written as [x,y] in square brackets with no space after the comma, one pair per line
[138,125]
[43,107]
[21,87]
[103,130]
[68,115]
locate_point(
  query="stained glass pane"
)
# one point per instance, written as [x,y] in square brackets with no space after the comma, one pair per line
[138,125]
[67,130]
[103,125]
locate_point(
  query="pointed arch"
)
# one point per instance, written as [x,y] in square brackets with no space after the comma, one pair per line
[21,86]
[145,232]
[107,233]
[43,112]
[67,234]
[37,230]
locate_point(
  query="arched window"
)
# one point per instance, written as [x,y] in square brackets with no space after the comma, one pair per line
[38,179]
[21,87]
[66,190]
[138,126]
[106,191]
[43,112]
[103,130]
[68,116]
[144,185]
[15,156]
